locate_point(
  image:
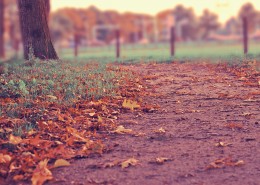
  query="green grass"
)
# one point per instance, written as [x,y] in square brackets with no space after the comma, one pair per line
[160,52]
[27,89]
[214,51]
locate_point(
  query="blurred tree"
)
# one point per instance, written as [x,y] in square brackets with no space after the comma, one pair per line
[248,11]
[61,26]
[232,26]
[35,30]
[68,24]
[186,18]
[2,53]
[12,25]
[208,22]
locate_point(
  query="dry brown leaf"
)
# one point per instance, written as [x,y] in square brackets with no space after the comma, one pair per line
[41,173]
[139,134]
[161,160]
[160,130]
[110,164]
[14,139]
[52,97]
[220,144]
[239,163]
[76,134]
[129,104]
[18,177]
[92,114]
[100,120]
[14,166]
[213,165]
[60,163]
[5,158]
[129,162]
[122,130]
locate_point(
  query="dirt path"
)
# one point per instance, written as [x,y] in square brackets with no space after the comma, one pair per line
[200,107]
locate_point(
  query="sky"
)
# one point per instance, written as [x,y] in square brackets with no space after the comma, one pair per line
[224,8]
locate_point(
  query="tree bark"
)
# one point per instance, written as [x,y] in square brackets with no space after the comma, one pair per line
[35,30]
[2,51]
[48,9]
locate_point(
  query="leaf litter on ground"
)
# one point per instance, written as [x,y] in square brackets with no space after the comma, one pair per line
[53,112]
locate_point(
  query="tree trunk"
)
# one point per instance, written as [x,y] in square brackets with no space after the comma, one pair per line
[35,30]
[2,52]
[48,8]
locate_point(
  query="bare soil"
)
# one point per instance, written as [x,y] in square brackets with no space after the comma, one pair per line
[207,126]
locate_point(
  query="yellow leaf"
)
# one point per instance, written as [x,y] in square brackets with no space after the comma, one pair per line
[239,163]
[161,160]
[60,163]
[100,120]
[110,164]
[129,162]
[52,97]
[14,140]
[220,144]
[122,130]
[41,173]
[160,130]
[92,114]
[129,104]
[5,158]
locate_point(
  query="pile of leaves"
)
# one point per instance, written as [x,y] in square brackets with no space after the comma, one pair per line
[52,112]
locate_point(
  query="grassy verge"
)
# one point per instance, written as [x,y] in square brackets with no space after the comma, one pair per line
[57,110]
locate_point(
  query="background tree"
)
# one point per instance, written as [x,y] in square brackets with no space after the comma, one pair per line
[208,22]
[248,11]
[12,26]
[35,30]
[188,30]
[2,54]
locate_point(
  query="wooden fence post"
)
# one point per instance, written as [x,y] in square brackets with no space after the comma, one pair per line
[245,35]
[76,44]
[117,43]
[2,50]
[172,41]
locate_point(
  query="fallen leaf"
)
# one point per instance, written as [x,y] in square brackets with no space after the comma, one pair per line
[14,139]
[220,144]
[14,166]
[139,134]
[213,165]
[110,164]
[160,130]
[41,173]
[100,120]
[92,114]
[161,160]
[52,97]
[60,163]
[129,104]
[18,177]
[122,130]
[76,134]
[129,162]
[239,163]
[234,125]
[5,158]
